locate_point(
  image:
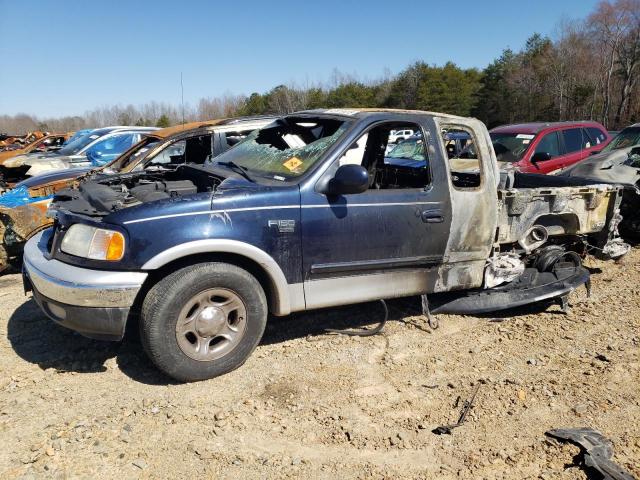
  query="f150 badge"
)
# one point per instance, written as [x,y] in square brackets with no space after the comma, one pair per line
[283,226]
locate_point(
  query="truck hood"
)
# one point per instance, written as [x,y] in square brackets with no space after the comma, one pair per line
[132,196]
[53,176]
[609,167]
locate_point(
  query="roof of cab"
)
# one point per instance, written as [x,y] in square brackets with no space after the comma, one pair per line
[362,112]
[537,127]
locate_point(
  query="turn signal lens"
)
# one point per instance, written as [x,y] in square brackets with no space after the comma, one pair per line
[115,250]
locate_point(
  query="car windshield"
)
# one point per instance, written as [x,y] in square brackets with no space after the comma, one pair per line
[626,138]
[78,144]
[286,148]
[75,136]
[137,154]
[411,149]
[510,147]
[111,145]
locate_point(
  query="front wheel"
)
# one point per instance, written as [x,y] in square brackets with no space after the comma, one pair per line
[203,320]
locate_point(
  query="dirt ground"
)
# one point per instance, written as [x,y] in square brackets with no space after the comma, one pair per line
[311,405]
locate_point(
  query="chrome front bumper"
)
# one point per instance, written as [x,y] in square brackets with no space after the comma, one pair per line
[78,286]
[94,303]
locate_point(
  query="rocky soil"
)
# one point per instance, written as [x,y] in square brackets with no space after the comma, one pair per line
[312,405]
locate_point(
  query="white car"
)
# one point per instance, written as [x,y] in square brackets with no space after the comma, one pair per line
[398,135]
[107,142]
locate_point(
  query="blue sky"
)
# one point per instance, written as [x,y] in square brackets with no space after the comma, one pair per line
[75,55]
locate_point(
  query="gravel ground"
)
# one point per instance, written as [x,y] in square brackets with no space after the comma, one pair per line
[311,405]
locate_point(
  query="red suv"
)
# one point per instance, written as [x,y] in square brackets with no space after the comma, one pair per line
[547,147]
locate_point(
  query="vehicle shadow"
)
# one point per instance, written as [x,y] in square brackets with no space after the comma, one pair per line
[38,340]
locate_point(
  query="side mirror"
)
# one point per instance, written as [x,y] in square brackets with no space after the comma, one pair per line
[541,157]
[348,179]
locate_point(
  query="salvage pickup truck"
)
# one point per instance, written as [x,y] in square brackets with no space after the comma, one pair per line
[306,213]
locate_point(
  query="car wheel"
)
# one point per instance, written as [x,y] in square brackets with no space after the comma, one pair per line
[203,320]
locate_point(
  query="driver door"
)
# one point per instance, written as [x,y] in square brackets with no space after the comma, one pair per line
[385,242]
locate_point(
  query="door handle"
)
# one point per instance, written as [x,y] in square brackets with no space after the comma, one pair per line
[432,216]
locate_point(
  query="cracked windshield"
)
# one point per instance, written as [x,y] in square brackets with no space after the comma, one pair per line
[285,149]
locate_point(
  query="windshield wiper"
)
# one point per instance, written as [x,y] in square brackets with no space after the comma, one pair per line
[239,169]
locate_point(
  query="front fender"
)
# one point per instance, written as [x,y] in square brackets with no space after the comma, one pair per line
[286,298]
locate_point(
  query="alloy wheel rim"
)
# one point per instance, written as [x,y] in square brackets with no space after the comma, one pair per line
[211,324]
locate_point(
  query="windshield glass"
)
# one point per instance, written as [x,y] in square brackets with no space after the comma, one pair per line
[75,136]
[78,144]
[510,147]
[411,149]
[286,148]
[626,138]
[108,148]
[141,151]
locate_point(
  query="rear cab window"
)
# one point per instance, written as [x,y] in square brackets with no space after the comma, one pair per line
[465,165]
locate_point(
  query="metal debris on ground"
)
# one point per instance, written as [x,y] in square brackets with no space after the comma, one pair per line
[596,449]
[364,332]
[466,407]
[431,320]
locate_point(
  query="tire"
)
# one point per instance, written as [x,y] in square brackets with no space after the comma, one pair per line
[203,321]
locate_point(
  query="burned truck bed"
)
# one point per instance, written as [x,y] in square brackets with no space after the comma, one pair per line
[546,225]
[535,209]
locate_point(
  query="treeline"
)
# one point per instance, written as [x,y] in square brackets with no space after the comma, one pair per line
[590,70]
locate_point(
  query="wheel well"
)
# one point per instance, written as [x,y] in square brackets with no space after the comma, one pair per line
[568,222]
[241,261]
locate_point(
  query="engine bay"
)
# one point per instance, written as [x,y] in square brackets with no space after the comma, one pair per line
[112,193]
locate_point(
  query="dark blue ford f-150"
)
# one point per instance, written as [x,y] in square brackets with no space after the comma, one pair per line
[302,214]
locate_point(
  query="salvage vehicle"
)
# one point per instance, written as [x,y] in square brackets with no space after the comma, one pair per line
[547,147]
[290,220]
[42,144]
[16,141]
[618,163]
[23,209]
[99,147]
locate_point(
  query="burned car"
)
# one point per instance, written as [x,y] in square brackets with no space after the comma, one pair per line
[618,163]
[42,144]
[12,142]
[23,209]
[291,219]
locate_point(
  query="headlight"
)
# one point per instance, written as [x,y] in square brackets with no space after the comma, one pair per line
[95,243]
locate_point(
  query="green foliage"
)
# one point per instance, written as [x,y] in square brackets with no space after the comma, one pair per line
[163,122]
[353,94]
